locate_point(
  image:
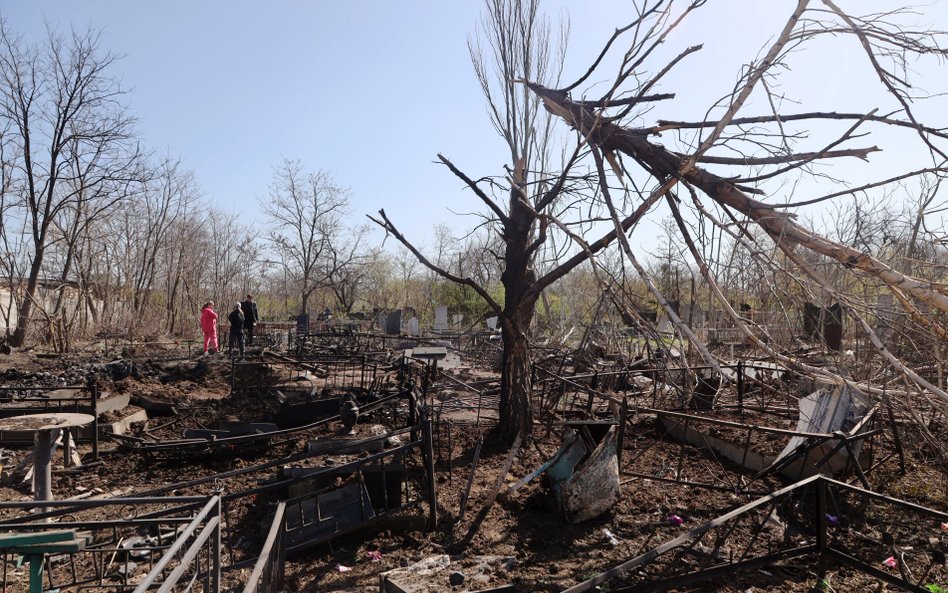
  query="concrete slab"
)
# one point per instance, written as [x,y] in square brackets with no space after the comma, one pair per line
[731,451]
[478,574]
[118,427]
[113,403]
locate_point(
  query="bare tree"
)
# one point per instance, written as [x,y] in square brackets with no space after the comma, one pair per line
[682,178]
[145,225]
[305,211]
[345,268]
[679,177]
[98,181]
[520,44]
[65,107]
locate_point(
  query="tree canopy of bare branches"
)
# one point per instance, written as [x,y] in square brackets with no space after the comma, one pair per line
[71,140]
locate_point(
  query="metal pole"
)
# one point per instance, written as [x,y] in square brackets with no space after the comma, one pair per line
[95,421]
[428,454]
[623,418]
[740,387]
[42,465]
[37,563]
[470,479]
[215,568]
[821,515]
[412,414]
[67,447]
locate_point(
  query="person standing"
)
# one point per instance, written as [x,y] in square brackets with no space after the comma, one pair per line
[250,317]
[209,327]
[236,337]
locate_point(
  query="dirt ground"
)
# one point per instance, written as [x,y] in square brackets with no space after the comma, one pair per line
[548,553]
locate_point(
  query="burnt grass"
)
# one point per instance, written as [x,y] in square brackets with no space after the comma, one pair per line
[549,553]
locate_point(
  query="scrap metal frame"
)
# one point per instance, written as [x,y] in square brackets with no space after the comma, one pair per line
[127,518]
[268,572]
[830,522]
[202,548]
[363,372]
[23,400]
[204,446]
[583,395]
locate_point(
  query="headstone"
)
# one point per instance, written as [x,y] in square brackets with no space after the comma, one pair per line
[492,323]
[302,324]
[885,327]
[457,319]
[381,320]
[833,327]
[664,324]
[696,316]
[824,323]
[441,318]
[811,321]
[413,326]
[393,322]
[826,411]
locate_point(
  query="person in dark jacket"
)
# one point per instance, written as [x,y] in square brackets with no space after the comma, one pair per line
[236,319]
[250,316]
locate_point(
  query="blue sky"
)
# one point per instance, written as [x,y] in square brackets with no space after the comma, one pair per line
[371,91]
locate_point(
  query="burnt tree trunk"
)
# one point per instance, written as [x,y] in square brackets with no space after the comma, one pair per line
[516,415]
[518,278]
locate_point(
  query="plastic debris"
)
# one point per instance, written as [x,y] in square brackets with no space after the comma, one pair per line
[891,562]
[674,519]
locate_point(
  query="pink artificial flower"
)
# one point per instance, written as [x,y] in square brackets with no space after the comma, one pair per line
[374,555]
[891,562]
[674,519]
[944,526]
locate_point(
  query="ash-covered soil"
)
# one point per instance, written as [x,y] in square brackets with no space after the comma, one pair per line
[548,553]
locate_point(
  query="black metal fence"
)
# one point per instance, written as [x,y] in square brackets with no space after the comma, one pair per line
[267,573]
[160,540]
[829,523]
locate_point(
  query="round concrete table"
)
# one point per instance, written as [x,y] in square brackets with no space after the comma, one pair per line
[45,429]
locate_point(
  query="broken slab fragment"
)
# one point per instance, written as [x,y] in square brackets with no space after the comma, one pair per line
[443,573]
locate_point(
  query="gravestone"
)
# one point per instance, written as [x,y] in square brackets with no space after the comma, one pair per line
[302,324]
[824,324]
[664,324]
[393,322]
[811,321]
[441,318]
[833,327]
[412,326]
[491,323]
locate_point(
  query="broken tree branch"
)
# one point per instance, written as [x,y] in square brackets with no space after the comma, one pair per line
[477,190]
[386,224]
